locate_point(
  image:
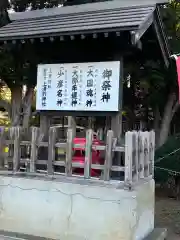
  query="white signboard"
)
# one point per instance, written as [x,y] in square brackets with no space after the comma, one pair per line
[78,86]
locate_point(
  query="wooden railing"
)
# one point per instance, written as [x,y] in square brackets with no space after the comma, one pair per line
[136,155]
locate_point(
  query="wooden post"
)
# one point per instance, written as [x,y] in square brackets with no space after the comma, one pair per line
[146,153]
[136,156]
[141,154]
[44,125]
[151,152]
[128,159]
[34,149]
[17,150]
[2,153]
[69,152]
[107,125]
[88,153]
[90,122]
[72,124]
[108,155]
[100,134]
[116,120]
[51,150]
[116,126]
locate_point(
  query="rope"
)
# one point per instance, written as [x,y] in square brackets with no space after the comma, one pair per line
[169,154]
[168,170]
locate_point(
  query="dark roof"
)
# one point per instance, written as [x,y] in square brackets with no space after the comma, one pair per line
[114,15]
[83,8]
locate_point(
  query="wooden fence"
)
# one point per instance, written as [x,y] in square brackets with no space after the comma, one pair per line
[20,148]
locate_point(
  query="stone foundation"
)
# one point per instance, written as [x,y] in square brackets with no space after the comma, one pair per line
[75,211]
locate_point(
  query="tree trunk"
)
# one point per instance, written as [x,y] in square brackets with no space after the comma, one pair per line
[27,105]
[16,103]
[169,112]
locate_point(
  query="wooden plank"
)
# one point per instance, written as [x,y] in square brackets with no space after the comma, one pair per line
[108,155]
[100,134]
[116,120]
[88,153]
[146,153]
[2,150]
[34,149]
[128,159]
[43,144]
[135,156]
[69,152]
[77,165]
[72,124]
[17,150]
[6,149]
[151,152]
[44,124]
[141,154]
[63,145]
[51,150]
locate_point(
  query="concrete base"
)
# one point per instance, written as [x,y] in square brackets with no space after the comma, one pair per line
[157,234]
[70,211]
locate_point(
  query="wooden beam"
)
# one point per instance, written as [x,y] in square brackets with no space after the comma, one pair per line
[88,154]
[34,149]
[17,150]
[108,155]
[161,44]
[69,152]
[136,35]
[51,150]
[44,124]
[72,124]
[116,119]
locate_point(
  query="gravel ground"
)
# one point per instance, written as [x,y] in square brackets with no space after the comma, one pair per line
[168,215]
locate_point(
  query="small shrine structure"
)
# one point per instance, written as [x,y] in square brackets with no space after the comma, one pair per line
[82,54]
[86,36]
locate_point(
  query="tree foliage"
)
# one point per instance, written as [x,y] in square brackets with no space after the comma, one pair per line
[22,5]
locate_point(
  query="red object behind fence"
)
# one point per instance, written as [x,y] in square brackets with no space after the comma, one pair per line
[79,156]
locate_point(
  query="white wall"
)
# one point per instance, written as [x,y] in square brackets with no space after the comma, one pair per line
[69,211]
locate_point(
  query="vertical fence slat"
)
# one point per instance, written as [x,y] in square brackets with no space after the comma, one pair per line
[2,144]
[108,155]
[6,149]
[34,149]
[146,153]
[135,156]
[151,152]
[100,134]
[51,150]
[141,155]
[69,152]
[88,153]
[17,150]
[128,158]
